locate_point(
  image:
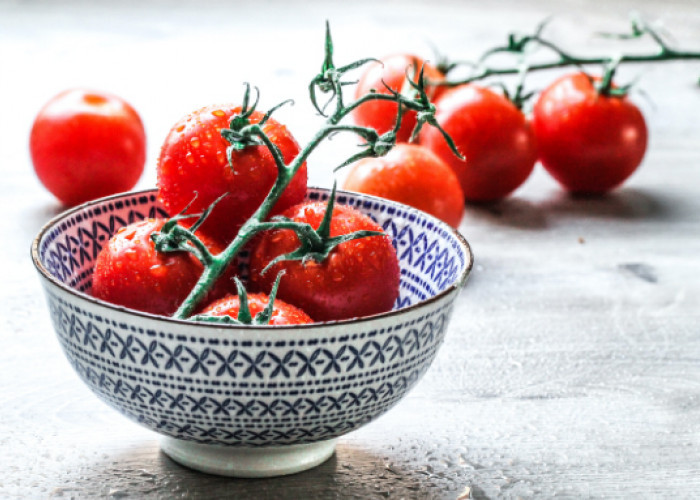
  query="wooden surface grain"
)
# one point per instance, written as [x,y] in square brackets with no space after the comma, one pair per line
[572,365]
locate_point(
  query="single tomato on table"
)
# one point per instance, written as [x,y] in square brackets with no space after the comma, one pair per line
[492,134]
[193,162]
[358,278]
[392,71]
[87,144]
[130,272]
[282,313]
[588,141]
[413,175]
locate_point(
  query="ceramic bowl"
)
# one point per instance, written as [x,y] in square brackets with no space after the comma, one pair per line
[255,401]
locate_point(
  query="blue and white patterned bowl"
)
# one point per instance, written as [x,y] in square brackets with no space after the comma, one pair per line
[255,401]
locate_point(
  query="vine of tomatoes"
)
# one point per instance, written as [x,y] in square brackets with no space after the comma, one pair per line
[584,130]
[233,178]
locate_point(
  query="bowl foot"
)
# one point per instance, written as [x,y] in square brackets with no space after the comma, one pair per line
[248,462]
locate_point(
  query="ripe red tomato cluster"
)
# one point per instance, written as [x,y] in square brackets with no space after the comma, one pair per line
[590,142]
[359,277]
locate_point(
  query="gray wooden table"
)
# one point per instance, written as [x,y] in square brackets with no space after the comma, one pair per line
[572,366]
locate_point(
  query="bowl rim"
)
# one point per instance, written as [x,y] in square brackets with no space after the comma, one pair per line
[43,271]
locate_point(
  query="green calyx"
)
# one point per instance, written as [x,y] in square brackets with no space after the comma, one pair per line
[173,237]
[241,133]
[604,86]
[316,244]
[329,80]
[426,113]
[244,315]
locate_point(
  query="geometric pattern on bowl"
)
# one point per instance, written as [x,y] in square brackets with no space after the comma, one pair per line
[255,386]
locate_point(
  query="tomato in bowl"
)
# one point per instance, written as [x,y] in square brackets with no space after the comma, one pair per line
[250,401]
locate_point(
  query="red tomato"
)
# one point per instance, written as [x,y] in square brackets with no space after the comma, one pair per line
[381,115]
[282,313]
[360,277]
[589,142]
[193,160]
[491,133]
[130,272]
[413,175]
[86,145]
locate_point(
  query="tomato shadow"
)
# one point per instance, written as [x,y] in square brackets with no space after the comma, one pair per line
[623,204]
[512,212]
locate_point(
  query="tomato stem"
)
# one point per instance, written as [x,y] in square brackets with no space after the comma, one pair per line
[245,317]
[522,45]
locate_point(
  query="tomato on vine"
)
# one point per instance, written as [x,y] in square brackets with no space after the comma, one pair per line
[413,175]
[195,167]
[359,277]
[282,313]
[492,134]
[87,144]
[392,72]
[589,140]
[130,272]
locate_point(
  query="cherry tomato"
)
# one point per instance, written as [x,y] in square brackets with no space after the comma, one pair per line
[413,175]
[282,313]
[491,133]
[589,142]
[131,273]
[381,115]
[86,145]
[193,161]
[360,277]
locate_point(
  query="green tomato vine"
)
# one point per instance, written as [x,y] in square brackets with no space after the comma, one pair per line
[522,46]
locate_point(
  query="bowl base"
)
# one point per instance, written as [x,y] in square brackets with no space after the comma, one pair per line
[248,462]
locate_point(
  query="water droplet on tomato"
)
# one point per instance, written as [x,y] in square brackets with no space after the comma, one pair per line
[158,270]
[221,157]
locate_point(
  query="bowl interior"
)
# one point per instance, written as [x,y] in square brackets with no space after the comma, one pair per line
[433,257]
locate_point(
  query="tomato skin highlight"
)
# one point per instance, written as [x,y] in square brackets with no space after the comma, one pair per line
[87,144]
[381,115]
[491,133]
[193,160]
[412,175]
[359,277]
[282,313]
[589,143]
[130,272]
